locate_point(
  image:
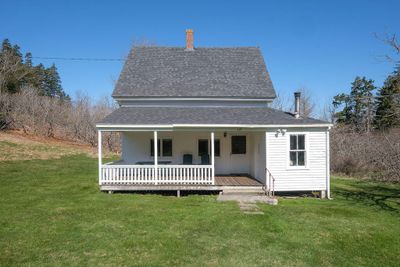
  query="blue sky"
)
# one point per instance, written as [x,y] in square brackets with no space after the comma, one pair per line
[319,45]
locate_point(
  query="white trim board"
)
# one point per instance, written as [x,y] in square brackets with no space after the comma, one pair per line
[170,127]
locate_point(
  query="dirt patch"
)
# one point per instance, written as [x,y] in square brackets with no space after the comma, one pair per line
[18,146]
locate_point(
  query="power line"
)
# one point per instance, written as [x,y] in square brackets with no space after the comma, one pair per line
[79,59]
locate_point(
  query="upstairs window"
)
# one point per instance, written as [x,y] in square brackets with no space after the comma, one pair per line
[297,152]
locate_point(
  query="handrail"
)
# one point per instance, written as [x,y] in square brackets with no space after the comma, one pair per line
[271,183]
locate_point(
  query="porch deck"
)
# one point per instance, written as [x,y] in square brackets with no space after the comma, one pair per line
[222,183]
[236,180]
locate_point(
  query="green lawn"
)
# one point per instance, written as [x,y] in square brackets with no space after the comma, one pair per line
[52,213]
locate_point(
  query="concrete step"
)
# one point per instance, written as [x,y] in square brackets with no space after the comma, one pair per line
[243,191]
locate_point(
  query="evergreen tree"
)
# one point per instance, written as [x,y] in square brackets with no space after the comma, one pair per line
[358,106]
[388,102]
[16,72]
[12,70]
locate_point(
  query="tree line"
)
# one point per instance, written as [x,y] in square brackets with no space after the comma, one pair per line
[17,71]
[32,100]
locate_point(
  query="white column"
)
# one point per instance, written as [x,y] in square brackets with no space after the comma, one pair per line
[267,180]
[155,157]
[212,158]
[328,169]
[99,143]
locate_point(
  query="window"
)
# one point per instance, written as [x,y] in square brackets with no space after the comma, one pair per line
[167,147]
[297,152]
[217,148]
[203,147]
[238,144]
[152,147]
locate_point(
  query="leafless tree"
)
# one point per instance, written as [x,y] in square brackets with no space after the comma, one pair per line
[281,102]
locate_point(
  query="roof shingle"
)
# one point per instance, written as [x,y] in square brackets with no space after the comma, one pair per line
[203,115]
[204,72]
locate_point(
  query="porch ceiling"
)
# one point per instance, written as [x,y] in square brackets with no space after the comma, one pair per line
[186,116]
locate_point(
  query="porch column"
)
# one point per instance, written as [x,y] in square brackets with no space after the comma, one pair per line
[212,159]
[99,143]
[155,157]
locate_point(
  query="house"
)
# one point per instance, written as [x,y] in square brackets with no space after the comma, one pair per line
[196,118]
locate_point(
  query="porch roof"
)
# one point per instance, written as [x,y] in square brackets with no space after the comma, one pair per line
[204,116]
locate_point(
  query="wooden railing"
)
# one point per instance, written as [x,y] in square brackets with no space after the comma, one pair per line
[151,175]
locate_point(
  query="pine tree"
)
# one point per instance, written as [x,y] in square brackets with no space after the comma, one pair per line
[16,72]
[358,106]
[12,70]
[388,102]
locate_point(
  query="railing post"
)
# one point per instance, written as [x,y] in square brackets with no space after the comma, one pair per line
[99,143]
[155,158]
[212,159]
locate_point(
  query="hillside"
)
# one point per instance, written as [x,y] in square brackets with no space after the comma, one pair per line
[16,145]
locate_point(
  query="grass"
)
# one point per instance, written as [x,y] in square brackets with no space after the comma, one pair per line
[52,213]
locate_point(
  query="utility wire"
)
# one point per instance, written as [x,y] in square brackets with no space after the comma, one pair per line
[80,58]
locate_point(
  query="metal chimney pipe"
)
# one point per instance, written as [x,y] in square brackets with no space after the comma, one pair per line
[297,104]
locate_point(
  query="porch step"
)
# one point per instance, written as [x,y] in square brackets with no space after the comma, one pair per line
[243,191]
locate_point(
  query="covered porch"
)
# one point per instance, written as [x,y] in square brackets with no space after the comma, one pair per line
[187,159]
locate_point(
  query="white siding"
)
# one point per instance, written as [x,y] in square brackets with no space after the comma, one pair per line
[313,176]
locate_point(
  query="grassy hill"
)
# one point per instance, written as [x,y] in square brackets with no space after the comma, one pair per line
[52,213]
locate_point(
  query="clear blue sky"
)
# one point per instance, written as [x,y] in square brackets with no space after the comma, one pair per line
[320,45]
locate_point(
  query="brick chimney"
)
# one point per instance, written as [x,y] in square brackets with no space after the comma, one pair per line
[189,40]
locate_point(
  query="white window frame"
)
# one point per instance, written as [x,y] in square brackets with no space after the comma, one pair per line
[306,151]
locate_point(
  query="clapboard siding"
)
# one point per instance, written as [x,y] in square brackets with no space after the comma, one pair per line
[313,176]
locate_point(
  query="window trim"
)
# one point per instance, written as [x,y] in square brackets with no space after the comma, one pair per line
[306,150]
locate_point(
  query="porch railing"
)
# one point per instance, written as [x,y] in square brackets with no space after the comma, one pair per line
[151,175]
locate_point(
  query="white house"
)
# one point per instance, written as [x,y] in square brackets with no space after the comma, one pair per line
[199,119]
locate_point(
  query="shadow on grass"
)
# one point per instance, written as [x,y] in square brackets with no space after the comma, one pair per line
[183,193]
[372,195]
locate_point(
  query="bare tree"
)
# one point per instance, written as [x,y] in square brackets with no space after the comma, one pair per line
[391,40]
[281,102]
[307,103]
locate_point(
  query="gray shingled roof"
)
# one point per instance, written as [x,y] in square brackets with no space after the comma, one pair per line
[202,115]
[204,72]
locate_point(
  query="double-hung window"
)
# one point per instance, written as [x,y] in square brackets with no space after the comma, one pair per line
[297,151]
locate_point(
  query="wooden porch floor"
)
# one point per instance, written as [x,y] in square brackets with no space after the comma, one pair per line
[232,180]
